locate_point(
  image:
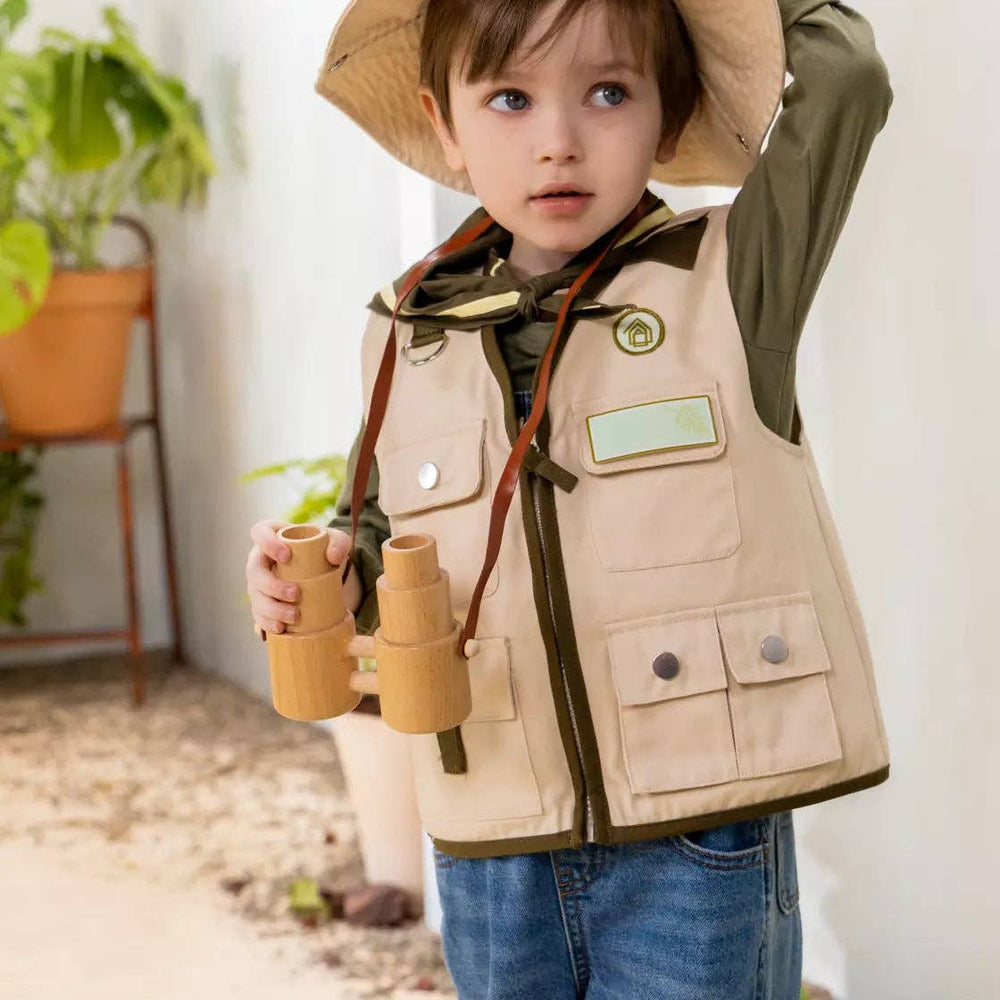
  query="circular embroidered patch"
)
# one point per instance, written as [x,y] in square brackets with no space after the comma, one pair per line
[639,331]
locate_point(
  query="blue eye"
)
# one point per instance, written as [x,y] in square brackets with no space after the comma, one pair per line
[519,102]
[614,93]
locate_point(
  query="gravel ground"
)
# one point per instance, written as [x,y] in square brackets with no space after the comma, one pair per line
[204,786]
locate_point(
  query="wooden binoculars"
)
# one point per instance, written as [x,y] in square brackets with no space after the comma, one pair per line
[420,677]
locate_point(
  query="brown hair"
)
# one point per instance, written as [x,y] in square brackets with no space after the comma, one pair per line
[488,32]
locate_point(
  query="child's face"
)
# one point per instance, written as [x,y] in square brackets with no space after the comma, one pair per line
[579,115]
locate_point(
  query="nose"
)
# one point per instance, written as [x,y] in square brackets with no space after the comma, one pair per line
[558,137]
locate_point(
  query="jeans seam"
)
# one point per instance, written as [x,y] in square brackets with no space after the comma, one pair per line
[754,858]
[770,888]
[576,958]
[786,901]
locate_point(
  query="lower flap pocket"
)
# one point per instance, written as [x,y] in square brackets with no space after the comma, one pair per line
[671,686]
[499,782]
[783,718]
[489,678]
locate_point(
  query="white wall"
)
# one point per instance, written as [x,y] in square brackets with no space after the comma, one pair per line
[895,384]
[263,305]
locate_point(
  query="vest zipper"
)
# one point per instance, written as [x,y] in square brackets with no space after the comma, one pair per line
[513,422]
[588,818]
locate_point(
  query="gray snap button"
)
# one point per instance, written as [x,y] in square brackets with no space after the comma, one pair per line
[666,665]
[774,649]
[428,475]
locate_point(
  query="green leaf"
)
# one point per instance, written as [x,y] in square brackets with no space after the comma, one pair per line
[83,134]
[271,470]
[324,480]
[25,118]
[25,272]
[304,898]
[20,505]
[12,13]
[148,121]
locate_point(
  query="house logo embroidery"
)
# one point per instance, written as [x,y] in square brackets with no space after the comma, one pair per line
[638,331]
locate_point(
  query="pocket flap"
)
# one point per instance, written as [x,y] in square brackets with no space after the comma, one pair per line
[489,678]
[789,624]
[456,454]
[692,638]
[681,422]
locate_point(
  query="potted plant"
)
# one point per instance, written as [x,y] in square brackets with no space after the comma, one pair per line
[86,124]
[374,757]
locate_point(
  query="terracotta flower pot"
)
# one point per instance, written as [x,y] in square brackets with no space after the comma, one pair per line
[63,372]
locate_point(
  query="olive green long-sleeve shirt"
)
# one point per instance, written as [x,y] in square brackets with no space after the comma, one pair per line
[782,227]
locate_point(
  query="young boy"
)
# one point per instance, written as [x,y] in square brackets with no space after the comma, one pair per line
[671,653]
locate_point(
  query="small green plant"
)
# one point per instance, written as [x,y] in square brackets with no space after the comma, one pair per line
[306,901]
[318,483]
[20,506]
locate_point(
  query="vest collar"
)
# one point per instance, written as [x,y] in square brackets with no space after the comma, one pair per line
[472,286]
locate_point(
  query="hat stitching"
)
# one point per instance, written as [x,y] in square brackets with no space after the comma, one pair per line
[373,39]
[735,126]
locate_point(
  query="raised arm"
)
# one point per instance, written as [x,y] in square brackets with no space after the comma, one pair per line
[786,218]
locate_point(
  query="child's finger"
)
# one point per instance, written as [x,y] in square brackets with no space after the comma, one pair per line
[261,577]
[279,611]
[269,625]
[338,547]
[264,535]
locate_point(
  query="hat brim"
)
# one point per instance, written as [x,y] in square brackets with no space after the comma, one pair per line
[371,72]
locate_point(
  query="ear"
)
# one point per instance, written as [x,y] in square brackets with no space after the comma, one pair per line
[452,151]
[667,149]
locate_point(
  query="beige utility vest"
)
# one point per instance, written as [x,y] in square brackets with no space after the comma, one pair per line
[673,643]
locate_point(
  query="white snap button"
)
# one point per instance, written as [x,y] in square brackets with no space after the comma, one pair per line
[428,475]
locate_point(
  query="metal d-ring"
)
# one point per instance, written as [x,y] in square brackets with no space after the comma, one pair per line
[430,357]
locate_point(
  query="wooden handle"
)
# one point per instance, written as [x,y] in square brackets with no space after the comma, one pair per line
[361,645]
[367,681]
[364,681]
[364,645]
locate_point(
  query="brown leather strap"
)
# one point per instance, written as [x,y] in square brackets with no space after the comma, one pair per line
[383,380]
[450,742]
[511,472]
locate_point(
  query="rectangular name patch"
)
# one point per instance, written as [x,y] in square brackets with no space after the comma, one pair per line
[655,426]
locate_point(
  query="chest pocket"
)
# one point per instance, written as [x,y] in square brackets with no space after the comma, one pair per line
[440,483]
[659,481]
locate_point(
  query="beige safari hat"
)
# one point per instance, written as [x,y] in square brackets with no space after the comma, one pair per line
[372,66]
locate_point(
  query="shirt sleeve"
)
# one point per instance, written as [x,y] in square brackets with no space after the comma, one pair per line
[786,218]
[373,530]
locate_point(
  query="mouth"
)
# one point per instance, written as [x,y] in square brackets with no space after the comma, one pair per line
[564,202]
[552,191]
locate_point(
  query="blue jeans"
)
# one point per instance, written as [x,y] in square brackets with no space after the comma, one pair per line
[708,915]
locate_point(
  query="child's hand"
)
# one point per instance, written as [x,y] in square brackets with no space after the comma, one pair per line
[272,600]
